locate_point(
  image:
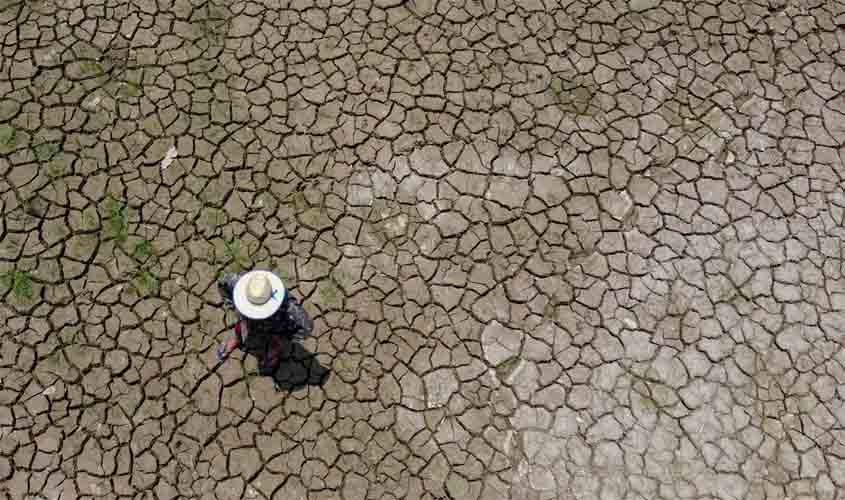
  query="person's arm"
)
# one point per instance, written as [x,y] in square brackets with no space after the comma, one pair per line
[233,342]
[302,324]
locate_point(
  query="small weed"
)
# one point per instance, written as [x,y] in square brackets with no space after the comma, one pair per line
[45,152]
[143,250]
[20,283]
[116,224]
[8,137]
[145,283]
[234,253]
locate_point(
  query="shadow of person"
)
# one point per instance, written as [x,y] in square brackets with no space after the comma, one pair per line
[298,368]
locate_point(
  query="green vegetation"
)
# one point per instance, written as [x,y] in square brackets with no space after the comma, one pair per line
[238,260]
[116,220]
[45,152]
[143,250]
[144,283]
[19,282]
[8,137]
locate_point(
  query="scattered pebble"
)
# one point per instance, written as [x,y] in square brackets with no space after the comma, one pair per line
[169,158]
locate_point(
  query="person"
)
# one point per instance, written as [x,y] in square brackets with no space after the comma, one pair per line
[269,316]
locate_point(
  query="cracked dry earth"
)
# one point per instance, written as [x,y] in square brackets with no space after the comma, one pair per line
[553,250]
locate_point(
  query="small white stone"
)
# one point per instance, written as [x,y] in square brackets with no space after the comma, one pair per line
[92,103]
[170,157]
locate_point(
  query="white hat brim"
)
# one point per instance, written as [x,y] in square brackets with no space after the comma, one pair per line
[256,311]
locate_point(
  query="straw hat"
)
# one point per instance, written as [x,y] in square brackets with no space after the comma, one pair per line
[258,294]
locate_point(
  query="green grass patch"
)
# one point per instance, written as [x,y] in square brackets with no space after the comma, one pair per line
[116,220]
[8,137]
[145,283]
[143,250]
[45,152]
[236,256]
[20,283]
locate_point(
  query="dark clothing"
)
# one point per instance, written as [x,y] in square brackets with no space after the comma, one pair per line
[289,322]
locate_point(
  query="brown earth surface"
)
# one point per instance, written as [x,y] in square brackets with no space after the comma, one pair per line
[553,249]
